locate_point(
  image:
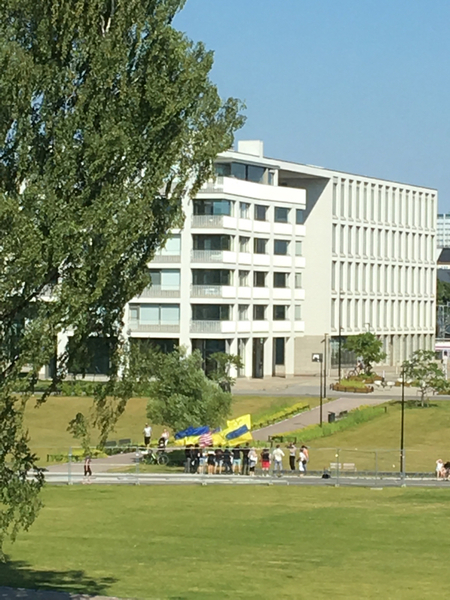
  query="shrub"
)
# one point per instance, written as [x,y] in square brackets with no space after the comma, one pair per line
[279,415]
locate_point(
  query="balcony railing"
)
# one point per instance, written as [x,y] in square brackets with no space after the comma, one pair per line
[156,291]
[207,221]
[208,291]
[167,258]
[153,327]
[207,256]
[206,327]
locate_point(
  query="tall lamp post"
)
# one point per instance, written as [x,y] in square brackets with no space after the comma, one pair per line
[318,357]
[402,426]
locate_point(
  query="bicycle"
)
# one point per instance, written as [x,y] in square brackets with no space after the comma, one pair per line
[158,458]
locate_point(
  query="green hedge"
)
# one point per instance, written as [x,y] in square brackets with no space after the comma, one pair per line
[280,415]
[354,418]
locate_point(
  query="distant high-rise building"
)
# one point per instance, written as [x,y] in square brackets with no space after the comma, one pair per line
[443,230]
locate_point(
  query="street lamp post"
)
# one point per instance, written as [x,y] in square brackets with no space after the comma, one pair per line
[402,426]
[318,358]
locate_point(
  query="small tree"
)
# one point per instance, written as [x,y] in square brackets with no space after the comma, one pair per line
[425,370]
[368,347]
[223,363]
[182,395]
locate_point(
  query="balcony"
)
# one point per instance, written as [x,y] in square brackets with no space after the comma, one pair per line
[213,291]
[258,191]
[213,256]
[156,291]
[166,258]
[213,326]
[136,327]
[213,222]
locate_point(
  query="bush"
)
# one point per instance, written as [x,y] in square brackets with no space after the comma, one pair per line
[354,418]
[279,415]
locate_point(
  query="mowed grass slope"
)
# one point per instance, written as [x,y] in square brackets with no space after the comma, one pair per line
[426,439]
[254,543]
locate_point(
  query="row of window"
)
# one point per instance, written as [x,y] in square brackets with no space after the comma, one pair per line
[169,279]
[360,314]
[368,241]
[220,242]
[379,202]
[393,279]
[261,212]
[169,314]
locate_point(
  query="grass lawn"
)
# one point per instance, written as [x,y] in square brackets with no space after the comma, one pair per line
[236,542]
[426,439]
[48,424]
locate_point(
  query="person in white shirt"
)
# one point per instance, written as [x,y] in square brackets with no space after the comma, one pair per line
[165,437]
[252,460]
[147,435]
[278,455]
[302,462]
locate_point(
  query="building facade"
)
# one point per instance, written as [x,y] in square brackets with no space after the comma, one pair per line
[370,261]
[443,230]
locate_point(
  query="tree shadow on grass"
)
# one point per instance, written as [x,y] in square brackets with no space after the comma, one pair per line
[19,574]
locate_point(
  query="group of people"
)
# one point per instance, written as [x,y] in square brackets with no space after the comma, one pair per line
[442,469]
[163,438]
[242,460]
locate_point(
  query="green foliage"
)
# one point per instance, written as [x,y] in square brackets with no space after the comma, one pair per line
[182,395]
[223,363]
[368,347]
[353,419]
[427,374]
[443,292]
[108,121]
[277,415]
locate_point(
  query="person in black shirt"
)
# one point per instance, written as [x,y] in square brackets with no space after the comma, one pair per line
[237,460]
[187,457]
[195,458]
[227,460]
[219,460]
[245,453]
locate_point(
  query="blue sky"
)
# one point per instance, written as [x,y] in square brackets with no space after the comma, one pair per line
[357,85]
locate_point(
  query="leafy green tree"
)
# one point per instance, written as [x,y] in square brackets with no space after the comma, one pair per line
[443,292]
[182,395]
[427,373]
[108,121]
[368,347]
[223,363]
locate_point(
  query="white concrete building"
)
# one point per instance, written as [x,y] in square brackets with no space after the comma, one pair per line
[231,280]
[275,255]
[443,230]
[370,260]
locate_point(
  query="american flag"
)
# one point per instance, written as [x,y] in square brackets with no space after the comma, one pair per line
[206,440]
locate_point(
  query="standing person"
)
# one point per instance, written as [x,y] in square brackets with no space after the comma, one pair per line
[219,459]
[195,458]
[237,460]
[440,470]
[252,460]
[302,462]
[187,458]
[201,462]
[87,468]
[245,453]
[292,453]
[265,461]
[304,456]
[147,435]
[227,456]
[278,455]
[165,437]
[211,460]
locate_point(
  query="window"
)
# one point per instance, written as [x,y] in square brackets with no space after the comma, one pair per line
[159,314]
[280,280]
[259,278]
[298,248]
[212,207]
[243,244]
[255,174]
[172,247]
[212,277]
[244,210]
[299,216]
[259,246]
[281,215]
[210,312]
[241,171]
[259,312]
[298,280]
[279,346]
[298,312]
[280,247]
[166,279]
[134,312]
[212,242]
[243,312]
[260,212]
[279,312]
[243,278]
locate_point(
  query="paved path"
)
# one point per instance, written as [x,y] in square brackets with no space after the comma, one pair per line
[312,417]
